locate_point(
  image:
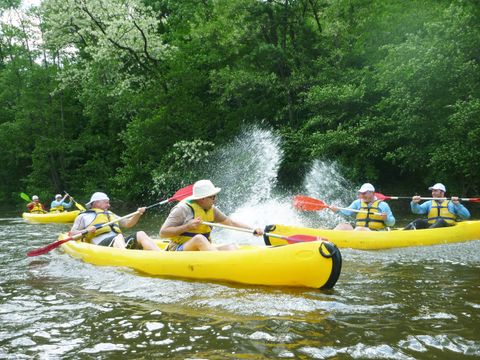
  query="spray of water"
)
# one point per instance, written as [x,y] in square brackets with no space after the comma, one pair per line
[247,168]
[325,182]
[247,172]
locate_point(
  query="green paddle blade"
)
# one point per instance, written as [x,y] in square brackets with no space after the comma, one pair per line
[25,197]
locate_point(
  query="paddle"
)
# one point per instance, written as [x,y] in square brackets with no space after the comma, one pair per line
[385,197]
[290,239]
[25,197]
[307,203]
[77,205]
[179,195]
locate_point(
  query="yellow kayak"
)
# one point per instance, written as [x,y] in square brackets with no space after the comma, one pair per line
[314,264]
[374,240]
[51,217]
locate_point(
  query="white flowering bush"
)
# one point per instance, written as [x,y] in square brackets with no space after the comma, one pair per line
[181,166]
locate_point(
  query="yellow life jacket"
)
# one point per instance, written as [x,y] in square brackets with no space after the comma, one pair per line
[101,217]
[205,230]
[37,209]
[439,210]
[58,208]
[372,219]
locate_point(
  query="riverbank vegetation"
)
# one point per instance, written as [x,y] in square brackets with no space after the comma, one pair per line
[127,96]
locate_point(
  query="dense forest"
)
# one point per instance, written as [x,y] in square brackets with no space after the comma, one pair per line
[130,95]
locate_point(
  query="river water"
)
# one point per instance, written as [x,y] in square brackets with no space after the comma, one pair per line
[413,303]
[409,303]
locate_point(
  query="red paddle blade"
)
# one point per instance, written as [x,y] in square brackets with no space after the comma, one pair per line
[182,193]
[49,247]
[474,199]
[302,238]
[308,204]
[380,196]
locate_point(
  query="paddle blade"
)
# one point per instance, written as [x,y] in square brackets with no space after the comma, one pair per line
[78,206]
[380,196]
[302,238]
[306,203]
[25,197]
[182,193]
[473,199]
[49,247]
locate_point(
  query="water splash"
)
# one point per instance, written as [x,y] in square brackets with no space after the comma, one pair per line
[247,168]
[324,181]
[247,172]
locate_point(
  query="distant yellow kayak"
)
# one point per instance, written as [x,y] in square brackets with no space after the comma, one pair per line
[53,217]
[313,264]
[374,240]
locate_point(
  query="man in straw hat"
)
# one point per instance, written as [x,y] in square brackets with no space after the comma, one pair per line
[110,235]
[184,225]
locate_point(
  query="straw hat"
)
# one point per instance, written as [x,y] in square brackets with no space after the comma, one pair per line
[203,189]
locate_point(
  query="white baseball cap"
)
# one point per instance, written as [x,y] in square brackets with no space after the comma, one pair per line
[438,186]
[366,187]
[58,196]
[97,197]
[34,197]
[203,189]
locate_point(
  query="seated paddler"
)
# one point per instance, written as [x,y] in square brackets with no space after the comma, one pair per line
[441,212]
[59,204]
[184,226]
[35,206]
[98,213]
[371,213]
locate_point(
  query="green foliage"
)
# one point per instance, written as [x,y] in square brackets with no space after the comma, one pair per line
[115,95]
[180,166]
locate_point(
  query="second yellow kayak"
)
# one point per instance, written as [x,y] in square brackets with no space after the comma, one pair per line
[374,240]
[51,217]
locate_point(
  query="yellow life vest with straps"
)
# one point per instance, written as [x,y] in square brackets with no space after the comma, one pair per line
[371,218]
[101,217]
[58,208]
[439,210]
[37,209]
[205,230]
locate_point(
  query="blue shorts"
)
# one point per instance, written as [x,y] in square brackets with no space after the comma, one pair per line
[174,247]
[180,248]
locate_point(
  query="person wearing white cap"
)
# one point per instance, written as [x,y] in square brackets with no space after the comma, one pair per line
[440,211]
[184,227]
[35,206]
[372,214]
[98,213]
[59,204]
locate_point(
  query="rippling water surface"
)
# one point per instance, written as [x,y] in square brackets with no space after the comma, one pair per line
[414,303]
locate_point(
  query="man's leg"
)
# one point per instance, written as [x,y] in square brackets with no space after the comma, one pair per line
[417,224]
[146,242]
[198,243]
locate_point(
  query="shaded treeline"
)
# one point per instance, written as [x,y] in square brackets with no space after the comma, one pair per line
[117,94]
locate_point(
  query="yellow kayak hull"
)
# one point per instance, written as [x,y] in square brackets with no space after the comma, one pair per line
[314,264]
[375,240]
[53,217]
